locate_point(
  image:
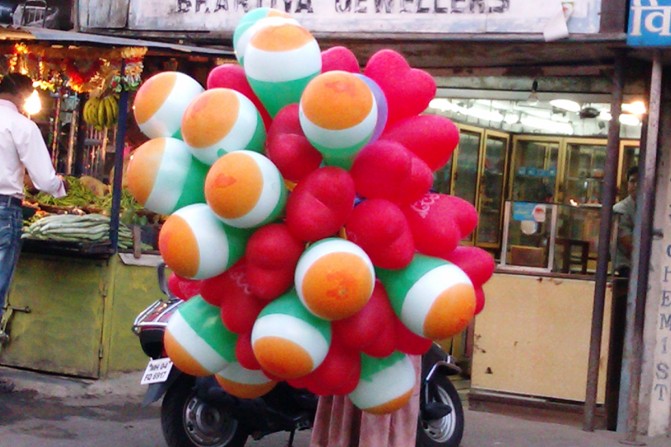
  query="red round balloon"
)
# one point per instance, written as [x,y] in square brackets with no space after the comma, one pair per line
[385,169]
[244,352]
[479,300]
[338,373]
[432,138]
[320,204]
[233,76]
[288,148]
[408,342]
[184,288]
[408,90]
[380,228]
[477,263]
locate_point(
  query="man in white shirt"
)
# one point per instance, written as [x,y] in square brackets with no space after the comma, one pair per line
[21,148]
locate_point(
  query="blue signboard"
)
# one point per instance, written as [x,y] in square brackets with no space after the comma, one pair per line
[649,23]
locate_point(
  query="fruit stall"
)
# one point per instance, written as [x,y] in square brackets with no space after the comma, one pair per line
[87,266]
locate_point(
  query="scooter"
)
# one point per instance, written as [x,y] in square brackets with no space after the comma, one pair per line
[197,412]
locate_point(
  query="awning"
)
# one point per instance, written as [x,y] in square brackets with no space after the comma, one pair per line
[26,33]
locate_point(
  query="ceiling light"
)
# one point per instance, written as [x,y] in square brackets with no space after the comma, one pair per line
[33,104]
[484,114]
[635,108]
[565,104]
[547,125]
[511,118]
[604,115]
[629,120]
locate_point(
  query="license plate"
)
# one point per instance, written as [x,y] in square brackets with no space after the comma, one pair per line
[157,371]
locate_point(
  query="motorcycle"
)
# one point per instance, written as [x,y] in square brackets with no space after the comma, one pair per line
[197,412]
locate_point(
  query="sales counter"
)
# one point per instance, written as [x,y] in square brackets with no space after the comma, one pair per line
[73,308]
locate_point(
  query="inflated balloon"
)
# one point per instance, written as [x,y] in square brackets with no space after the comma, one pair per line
[233,76]
[479,300]
[432,138]
[272,253]
[161,101]
[380,228]
[219,121]
[339,58]
[287,340]
[338,114]
[477,263]
[280,60]
[288,148]
[433,224]
[245,189]
[432,297]
[385,385]
[244,383]
[320,204]
[253,21]
[164,177]
[334,278]
[244,352]
[196,341]
[408,342]
[195,244]
[408,90]
[381,103]
[387,170]
[364,327]
[384,344]
[184,288]
[338,374]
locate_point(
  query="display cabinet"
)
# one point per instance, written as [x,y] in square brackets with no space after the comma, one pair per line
[492,180]
[534,169]
[466,164]
[584,171]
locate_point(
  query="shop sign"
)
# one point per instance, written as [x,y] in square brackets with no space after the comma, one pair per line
[373,16]
[649,23]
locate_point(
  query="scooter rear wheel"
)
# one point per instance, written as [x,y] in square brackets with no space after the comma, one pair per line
[188,421]
[448,430]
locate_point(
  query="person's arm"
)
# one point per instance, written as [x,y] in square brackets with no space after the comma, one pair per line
[35,157]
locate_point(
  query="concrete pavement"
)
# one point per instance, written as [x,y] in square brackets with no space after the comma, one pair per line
[483,429]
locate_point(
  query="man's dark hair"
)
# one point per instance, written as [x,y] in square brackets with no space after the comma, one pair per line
[14,83]
[632,171]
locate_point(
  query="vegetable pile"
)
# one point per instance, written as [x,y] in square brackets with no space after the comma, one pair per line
[92,228]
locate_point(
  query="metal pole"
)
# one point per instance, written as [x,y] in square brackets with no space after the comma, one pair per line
[118,162]
[601,279]
[645,208]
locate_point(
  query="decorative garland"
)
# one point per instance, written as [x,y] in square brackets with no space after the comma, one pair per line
[80,72]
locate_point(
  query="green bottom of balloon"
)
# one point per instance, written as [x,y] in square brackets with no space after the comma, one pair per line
[342,157]
[276,95]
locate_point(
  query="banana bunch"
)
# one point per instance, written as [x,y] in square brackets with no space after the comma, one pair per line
[101,112]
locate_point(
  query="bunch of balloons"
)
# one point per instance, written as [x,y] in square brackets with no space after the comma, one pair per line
[302,229]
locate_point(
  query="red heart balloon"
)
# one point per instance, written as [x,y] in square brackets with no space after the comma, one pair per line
[184,288]
[408,90]
[244,352]
[433,225]
[479,300]
[432,138]
[288,148]
[320,204]
[272,253]
[408,342]
[477,263]
[387,170]
[362,328]
[233,76]
[379,227]
[337,374]
[339,58]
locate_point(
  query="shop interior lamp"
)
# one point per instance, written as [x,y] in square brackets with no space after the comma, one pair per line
[533,98]
[565,104]
[33,104]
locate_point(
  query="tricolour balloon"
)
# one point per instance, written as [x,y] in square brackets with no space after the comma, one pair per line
[279,61]
[381,103]
[164,177]
[220,121]
[334,278]
[245,189]
[161,101]
[244,383]
[338,114]
[195,244]
[253,21]
[385,384]
[196,340]
[287,340]
[433,298]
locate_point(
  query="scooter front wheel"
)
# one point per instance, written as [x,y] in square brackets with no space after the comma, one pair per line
[448,430]
[188,421]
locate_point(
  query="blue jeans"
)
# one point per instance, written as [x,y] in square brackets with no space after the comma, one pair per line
[11,219]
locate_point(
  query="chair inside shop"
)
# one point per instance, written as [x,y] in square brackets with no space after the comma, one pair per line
[527,256]
[31,13]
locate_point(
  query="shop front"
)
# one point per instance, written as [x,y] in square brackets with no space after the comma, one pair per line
[79,285]
[543,174]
